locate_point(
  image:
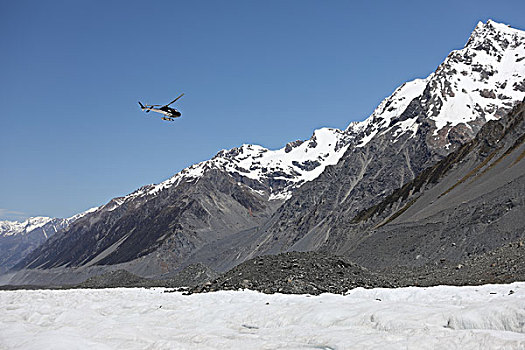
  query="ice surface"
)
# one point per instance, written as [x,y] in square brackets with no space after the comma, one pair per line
[444,317]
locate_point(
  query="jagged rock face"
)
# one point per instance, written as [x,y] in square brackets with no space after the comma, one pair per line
[322,207]
[174,221]
[469,203]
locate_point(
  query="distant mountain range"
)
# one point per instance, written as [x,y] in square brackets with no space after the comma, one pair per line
[342,191]
[19,238]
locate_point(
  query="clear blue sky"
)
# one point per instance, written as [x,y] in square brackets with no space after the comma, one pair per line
[264,72]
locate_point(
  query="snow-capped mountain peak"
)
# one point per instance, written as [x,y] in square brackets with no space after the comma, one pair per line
[480,80]
[477,83]
[493,37]
[389,109]
[292,165]
[11,228]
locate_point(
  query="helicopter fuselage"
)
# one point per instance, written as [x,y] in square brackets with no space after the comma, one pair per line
[167,111]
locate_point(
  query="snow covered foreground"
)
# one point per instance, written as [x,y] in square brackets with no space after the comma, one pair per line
[481,317]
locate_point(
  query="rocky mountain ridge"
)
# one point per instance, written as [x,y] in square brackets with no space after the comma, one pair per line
[400,139]
[459,222]
[250,201]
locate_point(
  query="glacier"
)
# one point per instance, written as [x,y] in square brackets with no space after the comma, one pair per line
[442,317]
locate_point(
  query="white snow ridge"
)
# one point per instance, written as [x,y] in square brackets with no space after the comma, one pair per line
[292,165]
[481,317]
[13,228]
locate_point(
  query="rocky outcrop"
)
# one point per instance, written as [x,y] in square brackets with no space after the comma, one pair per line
[469,203]
[296,273]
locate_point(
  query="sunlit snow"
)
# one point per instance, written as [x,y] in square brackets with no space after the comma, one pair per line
[390,108]
[11,228]
[444,317]
[504,65]
[256,162]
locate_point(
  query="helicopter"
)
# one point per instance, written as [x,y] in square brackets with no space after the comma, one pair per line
[170,113]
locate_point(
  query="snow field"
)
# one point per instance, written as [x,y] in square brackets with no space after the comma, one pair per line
[444,317]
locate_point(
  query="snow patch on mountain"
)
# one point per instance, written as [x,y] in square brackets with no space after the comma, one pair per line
[295,164]
[80,215]
[389,109]
[292,165]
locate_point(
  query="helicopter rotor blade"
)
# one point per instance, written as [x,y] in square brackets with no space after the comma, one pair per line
[175,99]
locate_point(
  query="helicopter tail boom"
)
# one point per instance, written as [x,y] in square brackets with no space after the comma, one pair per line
[146,108]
